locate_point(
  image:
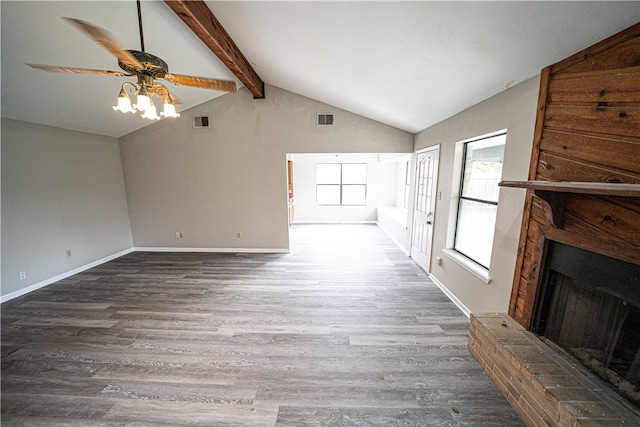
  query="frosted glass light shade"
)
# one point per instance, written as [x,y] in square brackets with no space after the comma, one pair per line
[151,113]
[144,102]
[124,105]
[169,111]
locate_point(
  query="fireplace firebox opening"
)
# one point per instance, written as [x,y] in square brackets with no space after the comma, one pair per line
[589,306]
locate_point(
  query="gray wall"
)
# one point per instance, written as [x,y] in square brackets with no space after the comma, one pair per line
[60,190]
[514,110]
[211,184]
[65,190]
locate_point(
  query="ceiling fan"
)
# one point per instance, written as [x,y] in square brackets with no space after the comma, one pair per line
[147,67]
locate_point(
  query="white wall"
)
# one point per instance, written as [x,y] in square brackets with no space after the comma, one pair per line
[394,219]
[514,110]
[211,184]
[381,188]
[60,190]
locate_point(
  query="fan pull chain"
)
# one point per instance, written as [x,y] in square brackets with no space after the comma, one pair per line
[140,26]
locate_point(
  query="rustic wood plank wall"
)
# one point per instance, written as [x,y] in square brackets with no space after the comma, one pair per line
[587,129]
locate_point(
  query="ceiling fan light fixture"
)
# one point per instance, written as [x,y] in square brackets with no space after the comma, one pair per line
[144,94]
[144,101]
[150,112]
[124,103]
[146,67]
[169,109]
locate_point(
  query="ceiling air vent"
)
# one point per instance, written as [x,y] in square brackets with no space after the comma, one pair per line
[201,122]
[325,119]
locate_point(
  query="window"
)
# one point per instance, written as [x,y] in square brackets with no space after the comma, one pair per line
[341,184]
[407,183]
[478,201]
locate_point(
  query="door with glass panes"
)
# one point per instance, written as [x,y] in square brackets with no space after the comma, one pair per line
[424,207]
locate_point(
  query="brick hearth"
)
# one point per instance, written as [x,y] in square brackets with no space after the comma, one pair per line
[544,387]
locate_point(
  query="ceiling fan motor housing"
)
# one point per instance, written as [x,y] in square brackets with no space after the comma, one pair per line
[153,66]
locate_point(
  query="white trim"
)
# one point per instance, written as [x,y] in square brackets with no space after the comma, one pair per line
[429,148]
[485,136]
[474,268]
[451,296]
[58,277]
[213,250]
[420,259]
[332,222]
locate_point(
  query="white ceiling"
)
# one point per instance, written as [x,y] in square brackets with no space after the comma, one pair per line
[407,64]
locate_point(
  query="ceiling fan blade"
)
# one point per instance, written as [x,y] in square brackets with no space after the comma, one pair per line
[57,69]
[174,98]
[201,82]
[107,41]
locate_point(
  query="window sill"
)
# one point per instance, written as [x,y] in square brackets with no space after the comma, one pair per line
[475,269]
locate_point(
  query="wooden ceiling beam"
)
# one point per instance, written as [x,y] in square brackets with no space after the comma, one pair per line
[204,24]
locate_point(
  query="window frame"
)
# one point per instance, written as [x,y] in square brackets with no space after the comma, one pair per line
[341,185]
[407,185]
[462,198]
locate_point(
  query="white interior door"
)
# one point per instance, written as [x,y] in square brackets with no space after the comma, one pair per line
[424,207]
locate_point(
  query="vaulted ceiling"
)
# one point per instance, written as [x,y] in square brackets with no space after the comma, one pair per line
[407,64]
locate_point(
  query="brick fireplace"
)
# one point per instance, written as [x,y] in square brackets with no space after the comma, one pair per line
[544,387]
[583,193]
[589,306]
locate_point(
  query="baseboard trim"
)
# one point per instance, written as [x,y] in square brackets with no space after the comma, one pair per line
[296,222]
[50,280]
[451,296]
[213,250]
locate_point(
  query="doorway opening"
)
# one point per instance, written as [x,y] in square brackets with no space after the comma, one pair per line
[352,188]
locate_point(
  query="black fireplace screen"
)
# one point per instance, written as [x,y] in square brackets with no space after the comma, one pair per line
[589,305]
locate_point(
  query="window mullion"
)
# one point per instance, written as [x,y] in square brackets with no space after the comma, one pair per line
[472,199]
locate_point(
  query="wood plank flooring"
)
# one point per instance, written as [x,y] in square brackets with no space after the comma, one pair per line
[344,331]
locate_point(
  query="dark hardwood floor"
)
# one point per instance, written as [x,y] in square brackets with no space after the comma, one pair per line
[344,331]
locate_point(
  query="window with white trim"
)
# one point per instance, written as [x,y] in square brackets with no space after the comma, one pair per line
[478,198]
[341,184]
[407,185]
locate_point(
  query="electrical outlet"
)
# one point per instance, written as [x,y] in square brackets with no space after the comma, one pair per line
[68,252]
[238,234]
[22,275]
[179,235]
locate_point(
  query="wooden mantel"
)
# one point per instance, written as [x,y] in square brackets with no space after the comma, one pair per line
[553,193]
[596,188]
